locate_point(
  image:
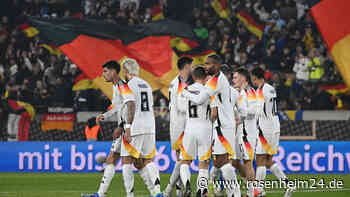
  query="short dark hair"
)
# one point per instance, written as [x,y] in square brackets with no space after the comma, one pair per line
[112,65]
[199,73]
[258,73]
[243,71]
[216,58]
[183,61]
[226,69]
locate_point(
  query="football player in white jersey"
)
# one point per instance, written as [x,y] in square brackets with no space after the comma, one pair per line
[197,136]
[110,74]
[177,119]
[139,140]
[268,126]
[224,127]
[111,70]
[246,131]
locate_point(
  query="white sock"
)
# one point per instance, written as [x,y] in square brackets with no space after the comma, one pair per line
[175,174]
[202,180]
[108,174]
[230,178]
[250,189]
[128,177]
[260,176]
[153,174]
[277,172]
[185,173]
[178,185]
[146,179]
[214,173]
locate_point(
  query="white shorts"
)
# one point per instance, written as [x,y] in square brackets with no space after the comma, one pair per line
[141,146]
[245,143]
[224,141]
[116,145]
[245,147]
[196,142]
[267,143]
[176,135]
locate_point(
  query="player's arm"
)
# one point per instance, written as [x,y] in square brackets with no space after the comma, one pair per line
[197,98]
[131,114]
[130,102]
[181,103]
[213,108]
[113,110]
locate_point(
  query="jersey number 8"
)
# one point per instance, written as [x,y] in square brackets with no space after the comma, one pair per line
[144,101]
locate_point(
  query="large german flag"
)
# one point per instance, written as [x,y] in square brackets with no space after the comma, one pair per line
[332,18]
[82,82]
[90,43]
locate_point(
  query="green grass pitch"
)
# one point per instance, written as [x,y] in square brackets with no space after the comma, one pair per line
[72,185]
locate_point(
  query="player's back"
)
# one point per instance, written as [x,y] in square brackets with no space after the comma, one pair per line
[221,86]
[144,121]
[268,118]
[197,113]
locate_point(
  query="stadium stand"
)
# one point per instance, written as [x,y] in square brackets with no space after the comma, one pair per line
[37,73]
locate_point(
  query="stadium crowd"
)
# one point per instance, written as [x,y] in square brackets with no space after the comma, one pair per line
[291,51]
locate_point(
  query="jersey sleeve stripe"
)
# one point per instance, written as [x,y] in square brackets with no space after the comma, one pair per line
[212,83]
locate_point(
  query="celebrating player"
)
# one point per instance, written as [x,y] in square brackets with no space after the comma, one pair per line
[138,141]
[177,120]
[246,131]
[269,129]
[224,135]
[111,74]
[197,136]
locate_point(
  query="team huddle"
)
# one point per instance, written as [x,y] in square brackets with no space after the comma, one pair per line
[209,120]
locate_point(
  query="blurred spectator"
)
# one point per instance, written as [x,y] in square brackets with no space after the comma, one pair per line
[315,65]
[301,68]
[200,31]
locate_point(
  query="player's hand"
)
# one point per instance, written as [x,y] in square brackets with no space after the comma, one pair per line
[117,132]
[99,118]
[127,135]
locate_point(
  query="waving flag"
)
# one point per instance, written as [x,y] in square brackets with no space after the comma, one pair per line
[221,8]
[52,49]
[332,18]
[18,122]
[157,12]
[89,44]
[249,22]
[335,89]
[29,30]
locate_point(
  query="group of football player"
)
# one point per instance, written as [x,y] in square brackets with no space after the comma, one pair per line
[227,117]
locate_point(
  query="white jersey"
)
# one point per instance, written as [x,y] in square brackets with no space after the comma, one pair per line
[267,109]
[219,87]
[197,113]
[240,105]
[140,92]
[177,113]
